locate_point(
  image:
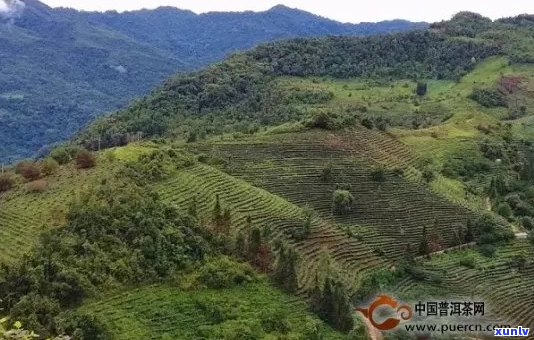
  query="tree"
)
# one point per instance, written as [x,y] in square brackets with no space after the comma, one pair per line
[221,219]
[342,201]
[428,175]
[6,182]
[29,170]
[424,248]
[61,154]
[16,332]
[217,217]
[192,210]
[240,245]
[504,210]
[326,173]
[85,159]
[343,309]
[421,88]
[378,174]
[527,222]
[254,242]
[286,269]
[49,166]
[366,122]
[469,233]
[332,304]
[307,224]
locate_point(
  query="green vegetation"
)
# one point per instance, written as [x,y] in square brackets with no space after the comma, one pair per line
[241,89]
[300,165]
[61,68]
[253,311]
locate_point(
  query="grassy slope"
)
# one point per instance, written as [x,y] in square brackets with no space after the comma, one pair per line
[165,312]
[24,215]
[450,119]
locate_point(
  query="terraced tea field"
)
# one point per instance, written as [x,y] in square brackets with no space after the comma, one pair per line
[165,312]
[270,211]
[24,216]
[504,287]
[386,215]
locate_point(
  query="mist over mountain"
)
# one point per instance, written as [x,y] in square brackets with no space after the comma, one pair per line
[59,68]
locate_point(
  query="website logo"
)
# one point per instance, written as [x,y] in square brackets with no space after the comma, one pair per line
[386,313]
[519,331]
[403,312]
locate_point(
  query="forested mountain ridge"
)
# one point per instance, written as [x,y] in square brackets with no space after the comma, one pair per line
[197,45]
[60,68]
[242,90]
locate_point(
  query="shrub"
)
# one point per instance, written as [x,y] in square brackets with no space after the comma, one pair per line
[6,182]
[326,173]
[524,209]
[49,166]
[322,120]
[358,333]
[367,123]
[527,222]
[342,201]
[378,175]
[28,170]
[37,186]
[62,154]
[224,273]
[487,250]
[85,159]
[468,261]
[421,89]
[504,210]
[428,175]
[398,172]
[382,125]
[488,97]
[275,322]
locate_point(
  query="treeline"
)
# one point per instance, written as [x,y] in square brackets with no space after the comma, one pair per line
[242,91]
[412,55]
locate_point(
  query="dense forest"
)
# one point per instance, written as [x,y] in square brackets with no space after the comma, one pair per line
[241,91]
[60,68]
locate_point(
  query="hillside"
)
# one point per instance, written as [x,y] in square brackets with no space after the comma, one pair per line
[61,68]
[290,182]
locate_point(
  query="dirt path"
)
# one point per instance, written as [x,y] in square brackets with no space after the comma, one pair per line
[374,334]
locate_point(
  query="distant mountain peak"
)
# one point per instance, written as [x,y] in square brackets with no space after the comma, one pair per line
[285,9]
[280,7]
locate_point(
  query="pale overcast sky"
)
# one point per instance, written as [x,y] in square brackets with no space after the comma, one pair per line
[342,10]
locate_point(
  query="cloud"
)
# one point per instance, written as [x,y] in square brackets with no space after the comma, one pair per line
[11,8]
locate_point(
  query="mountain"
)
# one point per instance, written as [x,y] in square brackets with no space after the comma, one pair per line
[199,40]
[286,184]
[60,68]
